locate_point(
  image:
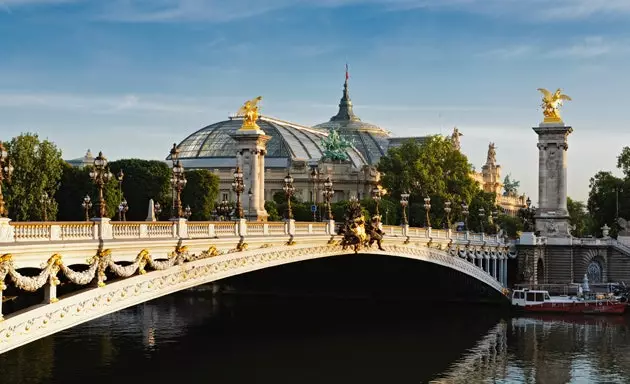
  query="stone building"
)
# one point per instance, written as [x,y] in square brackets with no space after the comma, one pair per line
[489,180]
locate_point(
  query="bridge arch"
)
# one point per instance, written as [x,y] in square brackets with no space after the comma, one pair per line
[32,324]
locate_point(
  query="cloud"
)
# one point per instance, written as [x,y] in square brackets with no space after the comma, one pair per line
[101,104]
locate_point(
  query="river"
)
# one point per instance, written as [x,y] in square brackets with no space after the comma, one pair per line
[195,337]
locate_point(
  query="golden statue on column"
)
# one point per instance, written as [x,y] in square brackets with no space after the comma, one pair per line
[250,112]
[551,103]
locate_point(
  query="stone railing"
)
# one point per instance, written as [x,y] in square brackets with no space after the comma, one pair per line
[105,229]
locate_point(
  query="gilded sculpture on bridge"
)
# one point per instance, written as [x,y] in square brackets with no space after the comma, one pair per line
[551,103]
[250,113]
[357,233]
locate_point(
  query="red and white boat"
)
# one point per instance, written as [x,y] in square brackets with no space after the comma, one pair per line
[539,301]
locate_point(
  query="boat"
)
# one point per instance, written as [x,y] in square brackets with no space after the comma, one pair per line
[585,302]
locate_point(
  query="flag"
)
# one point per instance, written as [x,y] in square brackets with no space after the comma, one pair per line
[347,75]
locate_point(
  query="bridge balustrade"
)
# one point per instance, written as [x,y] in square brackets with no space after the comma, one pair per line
[27,232]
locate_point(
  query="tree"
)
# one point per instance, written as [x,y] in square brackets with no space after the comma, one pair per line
[511,225]
[38,168]
[602,200]
[145,180]
[74,186]
[579,218]
[623,161]
[437,170]
[200,193]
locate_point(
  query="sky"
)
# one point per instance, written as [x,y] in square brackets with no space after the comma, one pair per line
[131,77]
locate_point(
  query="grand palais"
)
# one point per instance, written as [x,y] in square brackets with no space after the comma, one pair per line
[299,149]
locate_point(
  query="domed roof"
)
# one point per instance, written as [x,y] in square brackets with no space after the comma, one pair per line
[371,140]
[214,147]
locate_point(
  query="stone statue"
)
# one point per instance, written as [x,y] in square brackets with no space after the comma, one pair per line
[551,103]
[492,155]
[335,146]
[510,186]
[250,112]
[455,139]
[624,227]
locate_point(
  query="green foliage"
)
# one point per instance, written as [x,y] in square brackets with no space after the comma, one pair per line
[74,186]
[512,226]
[602,201]
[145,180]
[623,161]
[38,168]
[580,218]
[200,193]
[272,209]
[437,170]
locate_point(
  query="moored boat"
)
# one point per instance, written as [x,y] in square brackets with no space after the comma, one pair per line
[539,301]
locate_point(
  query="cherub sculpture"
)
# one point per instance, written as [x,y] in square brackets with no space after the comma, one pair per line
[551,103]
[250,112]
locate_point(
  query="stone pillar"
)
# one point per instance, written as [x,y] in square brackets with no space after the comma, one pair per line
[552,216]
[7,232]
[251,149]
[494,268]
[104,229]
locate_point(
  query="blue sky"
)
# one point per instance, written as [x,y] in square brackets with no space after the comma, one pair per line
[130,77]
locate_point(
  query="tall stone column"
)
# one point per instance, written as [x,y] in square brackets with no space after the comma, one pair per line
[251,147]
[552,216]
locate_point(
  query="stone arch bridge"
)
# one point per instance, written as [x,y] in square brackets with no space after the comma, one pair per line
[146,260]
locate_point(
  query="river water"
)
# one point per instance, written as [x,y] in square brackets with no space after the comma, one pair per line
[195,337]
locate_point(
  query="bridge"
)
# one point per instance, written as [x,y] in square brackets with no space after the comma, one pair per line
[115,265]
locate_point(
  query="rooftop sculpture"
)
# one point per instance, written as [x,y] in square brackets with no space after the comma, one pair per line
[335,146]
[551,103]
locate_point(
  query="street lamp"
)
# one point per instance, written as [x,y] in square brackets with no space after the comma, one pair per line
[6,170]
[238,187]
[328,193]
[120,176]
[315,178]
[100,174]
[44,200]
[174,157]
[288,190]
[178,182]
[482,215]
[527,219]
[187,212]
[427,209]
[223,209]
[123,207]
[495,220]
[404,202]
[617,190]
[465,213]
[87,205]
[377,195]
[447,210]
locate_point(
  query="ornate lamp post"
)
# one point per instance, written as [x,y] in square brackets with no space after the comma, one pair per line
[187,212]
[404,202]
[465,213]
[427,209]
[482,217]
[120,176]
[6,170]
[527,219]
[100,174]
[315,178]
[328,193]
[123,207]
[224,209]
[495,219]
[178,182]
[288,190]
[44,200]
[377,195]
[238,187]
[87,205]
[447,210]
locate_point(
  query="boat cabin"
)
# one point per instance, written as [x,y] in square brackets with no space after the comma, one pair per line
[522,297]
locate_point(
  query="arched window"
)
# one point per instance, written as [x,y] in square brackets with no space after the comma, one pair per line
[594,272]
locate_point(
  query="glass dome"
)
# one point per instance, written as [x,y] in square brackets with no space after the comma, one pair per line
[214,147]
[371,140]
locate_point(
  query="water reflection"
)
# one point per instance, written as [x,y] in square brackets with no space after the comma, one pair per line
[548,349]
[190,337]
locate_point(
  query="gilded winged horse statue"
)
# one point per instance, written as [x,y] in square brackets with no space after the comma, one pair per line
[551,103]
[250,113]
